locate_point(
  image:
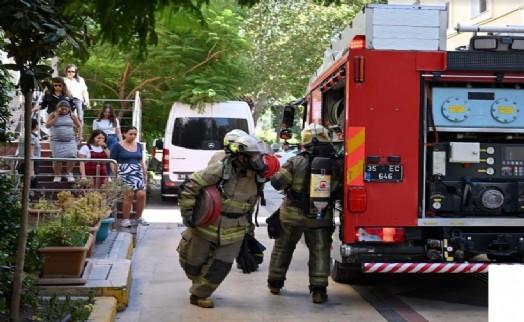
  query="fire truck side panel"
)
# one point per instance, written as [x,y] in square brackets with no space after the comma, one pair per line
[387,105]
[433,152]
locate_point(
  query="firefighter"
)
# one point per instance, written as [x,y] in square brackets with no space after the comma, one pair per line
[206,253]
[296,217]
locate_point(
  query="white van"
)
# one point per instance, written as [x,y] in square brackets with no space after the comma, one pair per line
[191,138]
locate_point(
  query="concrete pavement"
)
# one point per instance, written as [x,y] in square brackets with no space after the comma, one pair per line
[160,289]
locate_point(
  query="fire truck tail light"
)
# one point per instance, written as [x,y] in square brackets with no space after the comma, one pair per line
[381,234]
[358,199]
[359,69]
[165,161]
[358,42]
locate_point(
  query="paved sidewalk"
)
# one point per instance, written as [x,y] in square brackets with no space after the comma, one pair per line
[159,290]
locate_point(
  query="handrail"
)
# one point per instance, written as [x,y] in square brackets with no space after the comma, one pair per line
[136,112]
[12,171]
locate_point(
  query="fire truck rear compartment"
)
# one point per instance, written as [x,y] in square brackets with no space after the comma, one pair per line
[443,244]
[475,152]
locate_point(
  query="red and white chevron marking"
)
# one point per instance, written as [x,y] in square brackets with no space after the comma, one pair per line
[448,268]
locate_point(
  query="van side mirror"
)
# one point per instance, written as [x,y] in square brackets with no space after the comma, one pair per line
[159,144]
[288,117]
[286,134]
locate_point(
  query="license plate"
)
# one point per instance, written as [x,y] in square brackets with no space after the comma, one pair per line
[383,172]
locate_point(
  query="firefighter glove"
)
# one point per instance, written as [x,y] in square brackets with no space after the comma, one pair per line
[245,260]
[187,217]
[256,249]
[274,228]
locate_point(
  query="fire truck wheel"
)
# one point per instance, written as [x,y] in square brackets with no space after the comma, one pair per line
[346,273]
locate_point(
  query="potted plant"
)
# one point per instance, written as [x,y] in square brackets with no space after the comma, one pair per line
[103,231]
[87,209]
[65,247]
[112,192]
[42,211]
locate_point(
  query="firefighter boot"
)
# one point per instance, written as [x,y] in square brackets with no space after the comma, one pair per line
[201,301]
[275,286]
[319,294]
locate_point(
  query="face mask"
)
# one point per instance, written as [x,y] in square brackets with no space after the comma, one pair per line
[256,162]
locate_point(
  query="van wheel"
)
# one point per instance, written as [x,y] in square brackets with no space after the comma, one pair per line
[346,273]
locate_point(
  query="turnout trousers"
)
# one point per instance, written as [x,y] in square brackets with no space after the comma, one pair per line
[318,241]
[205,263]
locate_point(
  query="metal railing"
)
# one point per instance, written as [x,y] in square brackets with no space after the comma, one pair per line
[136,109]
[43,191]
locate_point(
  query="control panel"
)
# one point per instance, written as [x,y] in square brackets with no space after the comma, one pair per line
[456,160]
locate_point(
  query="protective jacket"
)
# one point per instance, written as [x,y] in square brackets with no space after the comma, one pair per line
[293,178]
[239,197]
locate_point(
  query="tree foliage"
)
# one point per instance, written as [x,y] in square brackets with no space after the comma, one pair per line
[207,64]
[133,22]
[192,63]
[32,31]
[6,87]
[289,39]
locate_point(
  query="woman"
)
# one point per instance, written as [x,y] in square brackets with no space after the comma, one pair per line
[132,170]
[62,124]
[96,148]
[107,122]
[58,92]
[78,88]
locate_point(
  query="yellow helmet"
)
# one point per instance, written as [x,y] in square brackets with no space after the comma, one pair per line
[312,132]
[231,137]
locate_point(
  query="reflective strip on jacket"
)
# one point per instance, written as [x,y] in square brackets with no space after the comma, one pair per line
[239,196]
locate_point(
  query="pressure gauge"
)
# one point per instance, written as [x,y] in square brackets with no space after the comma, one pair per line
[490,161]
[490,150]
[437,205]
[490,171]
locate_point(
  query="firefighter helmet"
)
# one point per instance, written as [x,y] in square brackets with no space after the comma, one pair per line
[208,206]
[248,144]
[314,132]
[231,137]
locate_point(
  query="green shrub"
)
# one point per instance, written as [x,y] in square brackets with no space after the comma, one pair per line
[63,231]
[10,219]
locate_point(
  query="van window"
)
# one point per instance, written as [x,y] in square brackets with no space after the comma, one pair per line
[204,133]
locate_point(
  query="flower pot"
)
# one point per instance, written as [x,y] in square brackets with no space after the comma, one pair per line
[93,231]
[41,216]
[64,261]
[103,231]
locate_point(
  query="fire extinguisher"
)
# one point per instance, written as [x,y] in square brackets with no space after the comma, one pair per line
[320,185]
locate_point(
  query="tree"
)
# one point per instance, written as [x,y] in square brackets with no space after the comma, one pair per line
[33,31]
[290,37]
[192,63]
[133,22]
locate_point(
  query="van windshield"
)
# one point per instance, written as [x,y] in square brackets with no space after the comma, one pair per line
[204,133]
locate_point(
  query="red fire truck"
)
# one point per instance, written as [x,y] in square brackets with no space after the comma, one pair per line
[432,142]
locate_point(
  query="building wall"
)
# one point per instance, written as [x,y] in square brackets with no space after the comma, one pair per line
[498,13]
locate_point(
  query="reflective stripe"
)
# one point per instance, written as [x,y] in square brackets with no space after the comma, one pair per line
[286,175]
[230,231]
[197,177]
[234,206]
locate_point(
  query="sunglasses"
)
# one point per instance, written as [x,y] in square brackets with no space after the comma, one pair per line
[57,85]
[71,71]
